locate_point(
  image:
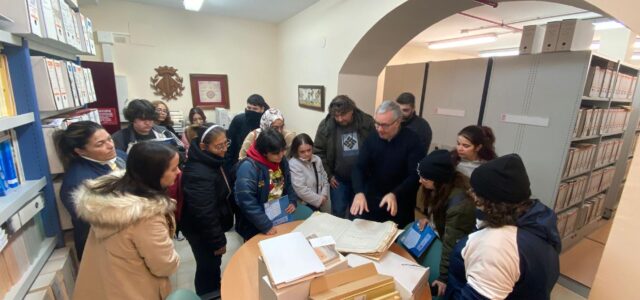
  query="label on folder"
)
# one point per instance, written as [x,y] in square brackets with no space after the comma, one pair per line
[417,241]
[276,211]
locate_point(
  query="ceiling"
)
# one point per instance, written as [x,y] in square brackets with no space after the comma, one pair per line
[273,11]
[533,12]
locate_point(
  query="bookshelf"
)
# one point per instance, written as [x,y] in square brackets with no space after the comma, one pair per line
[20,289]
[18,197]
[12,122]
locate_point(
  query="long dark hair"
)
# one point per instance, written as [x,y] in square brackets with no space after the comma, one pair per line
[146,164]
[479,136]
[76,135]
[299,140]
[196,110]
[270,141]
[435,200]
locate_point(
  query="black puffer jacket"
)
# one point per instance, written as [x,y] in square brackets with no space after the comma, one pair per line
[207,210]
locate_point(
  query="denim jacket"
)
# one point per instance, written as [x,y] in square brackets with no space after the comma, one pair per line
[252,191]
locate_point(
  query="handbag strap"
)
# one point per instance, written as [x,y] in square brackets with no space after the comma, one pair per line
[315,171]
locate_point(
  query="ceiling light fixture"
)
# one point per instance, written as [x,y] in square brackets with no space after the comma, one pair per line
[636,44]
[635,56]
[193,5]
[595,45]
[464,41]
[500,52]
[607,25]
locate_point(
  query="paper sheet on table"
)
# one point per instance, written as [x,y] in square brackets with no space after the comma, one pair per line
[289,257]
[405,272]
[322,241]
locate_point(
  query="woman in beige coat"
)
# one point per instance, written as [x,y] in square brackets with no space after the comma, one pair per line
[129,253]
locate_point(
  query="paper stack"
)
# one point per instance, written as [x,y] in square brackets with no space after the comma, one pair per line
[290,259]
[368,238]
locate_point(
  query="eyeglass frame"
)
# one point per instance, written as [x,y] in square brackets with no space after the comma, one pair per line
[223,145]
[386,126]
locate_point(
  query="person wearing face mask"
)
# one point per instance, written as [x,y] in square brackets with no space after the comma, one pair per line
[515,252]
[242,124]
[207,213]
[271,118]
[474,148]
[87,152]
[262,177]
[308,177]
[451,213]
[141,115]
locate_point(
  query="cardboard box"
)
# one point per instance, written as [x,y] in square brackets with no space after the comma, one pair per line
[551,36]
[532,39]
[63,266]
[575,35]
[297,291]
[50,282]
[362,282]
[41,295]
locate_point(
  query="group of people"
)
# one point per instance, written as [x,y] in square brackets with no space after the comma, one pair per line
[494,241]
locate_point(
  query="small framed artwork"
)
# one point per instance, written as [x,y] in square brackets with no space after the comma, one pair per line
[311,97]
[209,90]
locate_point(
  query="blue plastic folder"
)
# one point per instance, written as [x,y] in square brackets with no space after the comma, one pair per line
[276,211]
[417,241]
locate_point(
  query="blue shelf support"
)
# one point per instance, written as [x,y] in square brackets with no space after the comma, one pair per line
[30,138]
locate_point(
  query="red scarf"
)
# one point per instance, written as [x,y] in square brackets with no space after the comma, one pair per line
[253,153]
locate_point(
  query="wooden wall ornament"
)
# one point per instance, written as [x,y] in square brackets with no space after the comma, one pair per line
[167,83]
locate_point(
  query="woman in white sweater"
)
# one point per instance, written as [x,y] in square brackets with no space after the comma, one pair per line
[308,176]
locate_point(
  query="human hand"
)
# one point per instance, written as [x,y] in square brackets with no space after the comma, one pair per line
[442,287]
[422,223]
[291,208]
[359,204]
[272,231]
[220,251]
[392,205]
[333,182]
[323,200]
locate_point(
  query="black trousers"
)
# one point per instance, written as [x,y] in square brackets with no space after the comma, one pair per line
[207,280]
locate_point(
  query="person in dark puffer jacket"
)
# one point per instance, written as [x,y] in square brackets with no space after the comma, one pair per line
[514,254]
[207,212]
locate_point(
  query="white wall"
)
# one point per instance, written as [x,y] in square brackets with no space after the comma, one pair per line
[192,43]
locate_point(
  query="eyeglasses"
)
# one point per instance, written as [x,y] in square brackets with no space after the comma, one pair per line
[223,145]
[385,126]
[160,110]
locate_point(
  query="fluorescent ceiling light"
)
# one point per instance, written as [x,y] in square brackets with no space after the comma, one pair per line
[635,56]
[636,44]
[464,41]
[595,45]
[607,25]
[500,52]
[193,5]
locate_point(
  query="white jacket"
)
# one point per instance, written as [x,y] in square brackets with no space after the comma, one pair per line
[303,180]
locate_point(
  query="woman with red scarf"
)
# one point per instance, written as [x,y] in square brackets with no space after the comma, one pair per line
[261,178]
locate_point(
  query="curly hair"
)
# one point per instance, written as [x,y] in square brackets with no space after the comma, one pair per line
[498,214]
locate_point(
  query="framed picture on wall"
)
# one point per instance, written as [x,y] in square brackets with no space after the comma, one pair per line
[209,90]
[311,97]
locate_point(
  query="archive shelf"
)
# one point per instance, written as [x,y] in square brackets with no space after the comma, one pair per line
[20,289]
[577,139]
[576,175]
[18,197]
[12,122]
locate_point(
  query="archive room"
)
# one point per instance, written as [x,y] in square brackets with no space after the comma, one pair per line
[319,149]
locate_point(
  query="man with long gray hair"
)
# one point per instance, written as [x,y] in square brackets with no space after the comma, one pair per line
[385,179]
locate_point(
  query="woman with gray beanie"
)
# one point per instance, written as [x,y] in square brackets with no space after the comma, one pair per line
[514,253]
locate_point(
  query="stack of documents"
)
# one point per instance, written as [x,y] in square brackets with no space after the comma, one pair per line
[369,238]
[290,259]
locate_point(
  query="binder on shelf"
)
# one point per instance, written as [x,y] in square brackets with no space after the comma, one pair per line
[575,35]
[46,10]
[82,45]
[25,15]
[81,84]
[47,87]
[72,83]
[64,84]
[68,23]
[532,39]
[609,73]
[8,105]
[551,36]
[57,18]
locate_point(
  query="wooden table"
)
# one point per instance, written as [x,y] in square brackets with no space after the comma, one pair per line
[240,277]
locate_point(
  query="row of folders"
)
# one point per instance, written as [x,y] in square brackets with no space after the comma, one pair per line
[594,121]
[570,193]
[581,155]
[49,19]
[61,84]
[11,170]
[19,254]
[590,211]
[7,102]
[599,83]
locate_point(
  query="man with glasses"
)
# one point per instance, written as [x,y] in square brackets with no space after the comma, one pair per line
[242,124]
[412,121]
[338,141]
[384,178]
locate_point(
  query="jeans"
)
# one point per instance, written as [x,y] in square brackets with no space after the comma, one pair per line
[341,199]
[207,277]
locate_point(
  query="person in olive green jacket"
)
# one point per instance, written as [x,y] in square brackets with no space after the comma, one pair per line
[447,205]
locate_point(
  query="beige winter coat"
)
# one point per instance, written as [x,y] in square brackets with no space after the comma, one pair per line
[129,253]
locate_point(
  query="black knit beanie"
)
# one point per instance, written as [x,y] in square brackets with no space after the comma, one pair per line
[503,179]
[437,166]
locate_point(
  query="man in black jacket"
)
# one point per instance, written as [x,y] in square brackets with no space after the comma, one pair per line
[385,179]
[412,121]
[242,124]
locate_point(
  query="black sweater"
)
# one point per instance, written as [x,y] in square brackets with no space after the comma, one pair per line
[421,127]
[389,167]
